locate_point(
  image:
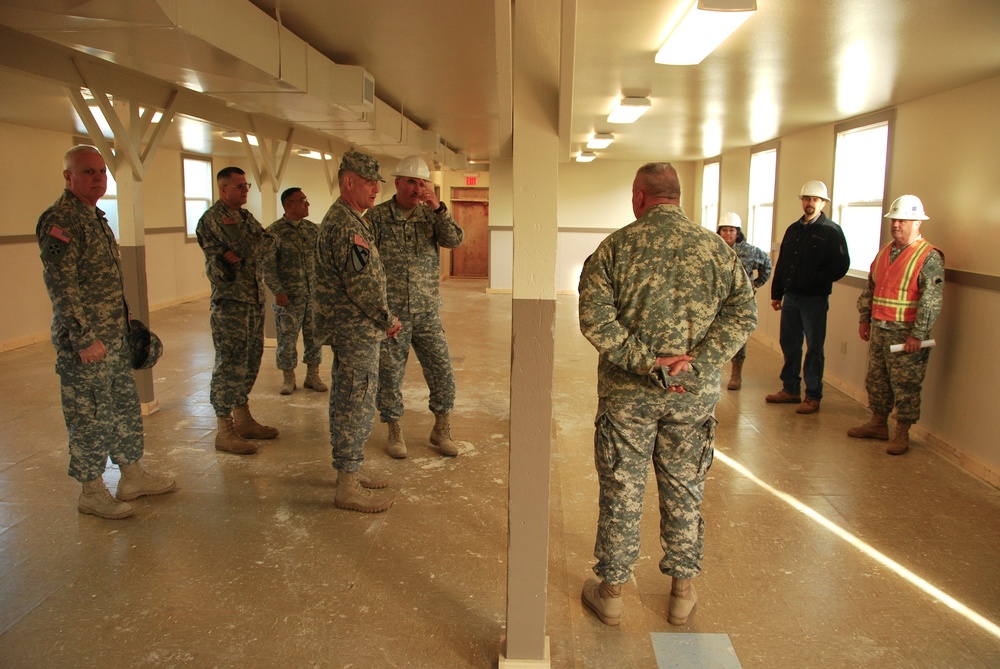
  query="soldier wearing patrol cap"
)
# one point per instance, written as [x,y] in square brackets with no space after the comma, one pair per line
[90,330]
[354,317]
[899,304]
[410,230]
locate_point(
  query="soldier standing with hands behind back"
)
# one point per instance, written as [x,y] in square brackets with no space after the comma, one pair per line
[899,305]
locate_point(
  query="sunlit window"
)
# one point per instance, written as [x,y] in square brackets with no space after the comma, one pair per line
[710,196]
[197,190]
[859,190]
[109,204]
[760,203]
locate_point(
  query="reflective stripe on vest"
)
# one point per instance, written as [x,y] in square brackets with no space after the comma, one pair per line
[896,294]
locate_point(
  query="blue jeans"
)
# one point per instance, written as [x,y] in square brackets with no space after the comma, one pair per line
[803,316]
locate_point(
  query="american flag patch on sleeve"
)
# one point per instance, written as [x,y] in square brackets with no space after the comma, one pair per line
[60,234]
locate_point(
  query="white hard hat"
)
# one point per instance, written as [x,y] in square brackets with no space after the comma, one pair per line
[413,166]
[730,219]
[907,208]
[814,189]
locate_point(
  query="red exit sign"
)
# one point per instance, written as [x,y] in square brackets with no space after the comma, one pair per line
[470,180]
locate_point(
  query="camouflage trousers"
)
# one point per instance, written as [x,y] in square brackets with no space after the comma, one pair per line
[238,336]
[426,334]
[101,406]
[352,412]
[680,445]
[741,355]
[298,316]
[894,379]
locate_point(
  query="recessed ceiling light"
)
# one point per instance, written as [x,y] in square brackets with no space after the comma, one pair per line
[628,110]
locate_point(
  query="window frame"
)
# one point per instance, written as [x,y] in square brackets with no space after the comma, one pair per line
[751,232]
[710,211]
[837,206]
[189,231]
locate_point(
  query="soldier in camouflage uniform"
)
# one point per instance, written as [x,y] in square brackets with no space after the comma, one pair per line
[235,246]
[410,230]
[81,267]
[354,315]
[899,305]
[290,273]
[666,303]
[754,261]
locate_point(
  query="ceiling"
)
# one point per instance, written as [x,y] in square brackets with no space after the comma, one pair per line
[442,69]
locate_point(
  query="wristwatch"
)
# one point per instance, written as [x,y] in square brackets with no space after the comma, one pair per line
[441,208]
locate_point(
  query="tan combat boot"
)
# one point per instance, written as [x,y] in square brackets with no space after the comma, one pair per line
[353,496]
[682,601]
[441,435]
[371,479]
[604,599]
[96,500]
[136,482]
[248,428]
[877,427]
[313,381]
[901,442]
[395,446]
[736,378]
[288,385]
[228,440]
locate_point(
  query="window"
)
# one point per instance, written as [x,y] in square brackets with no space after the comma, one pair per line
[710,196]
[859,188]
[760,203]
[197,190]
[109,205]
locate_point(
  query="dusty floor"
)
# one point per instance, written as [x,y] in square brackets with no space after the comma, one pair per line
[248,564]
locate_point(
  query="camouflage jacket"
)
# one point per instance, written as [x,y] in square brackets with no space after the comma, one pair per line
[291,269]
[658,287]
[224,229]
[81,266]
[930,281]
[753,258]
[410,249]
[351,307]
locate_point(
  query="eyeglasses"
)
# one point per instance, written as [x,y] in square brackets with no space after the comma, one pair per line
[303,200]
[245,186]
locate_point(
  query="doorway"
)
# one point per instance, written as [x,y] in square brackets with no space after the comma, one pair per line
[471,209]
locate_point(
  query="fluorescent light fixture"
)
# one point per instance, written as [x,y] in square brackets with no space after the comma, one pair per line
[600,140]
[234,136]
[315,155]
[585,156]
[628,110]
[706,25]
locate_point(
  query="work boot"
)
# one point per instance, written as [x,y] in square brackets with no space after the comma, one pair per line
[353,496]
[228,440]
[441,435]
[96,500]
[288,385]
[809,405]
[877,427]
[313,381]
[682,601]
[248,428]
[369,478]
[395,446]
[736,377]
[901,442]
[604,599]
[136,482]
[781,397]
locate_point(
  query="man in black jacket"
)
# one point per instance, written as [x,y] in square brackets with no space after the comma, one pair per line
[813,255]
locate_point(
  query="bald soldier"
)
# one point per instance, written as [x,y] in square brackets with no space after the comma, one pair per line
[81,266]
[666,303]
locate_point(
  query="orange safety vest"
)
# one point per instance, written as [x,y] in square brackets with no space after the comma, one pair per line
[896,293]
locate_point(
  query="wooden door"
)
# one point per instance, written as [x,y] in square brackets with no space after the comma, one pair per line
[471,259]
